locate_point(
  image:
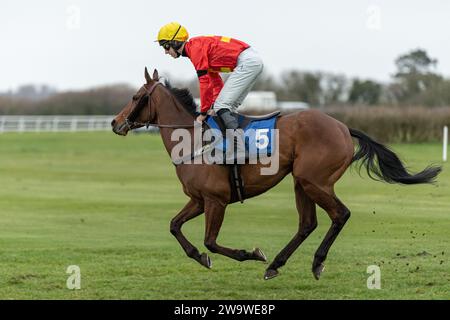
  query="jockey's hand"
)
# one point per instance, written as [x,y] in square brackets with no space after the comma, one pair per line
[201,118]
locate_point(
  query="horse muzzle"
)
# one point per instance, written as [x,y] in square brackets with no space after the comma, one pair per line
[120,129]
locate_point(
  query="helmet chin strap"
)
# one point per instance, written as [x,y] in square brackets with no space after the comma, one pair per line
[177,50]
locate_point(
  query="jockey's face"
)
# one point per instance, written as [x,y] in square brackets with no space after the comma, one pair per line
[172,52]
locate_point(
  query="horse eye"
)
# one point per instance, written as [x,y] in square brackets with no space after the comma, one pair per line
[135,97]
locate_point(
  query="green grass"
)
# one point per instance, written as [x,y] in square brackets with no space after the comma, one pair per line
[104,203]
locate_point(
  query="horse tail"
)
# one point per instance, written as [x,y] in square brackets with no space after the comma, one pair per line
[386,165]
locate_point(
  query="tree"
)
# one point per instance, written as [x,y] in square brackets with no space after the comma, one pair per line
[301,86]
[334,88]
[364,92]
[414,75]
[414,62]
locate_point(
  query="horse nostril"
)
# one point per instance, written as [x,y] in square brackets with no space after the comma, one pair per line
[113,122]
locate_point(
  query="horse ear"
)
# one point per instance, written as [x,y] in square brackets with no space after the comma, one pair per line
[147,76]
[155,75]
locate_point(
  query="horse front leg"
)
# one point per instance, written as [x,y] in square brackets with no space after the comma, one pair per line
[214,214]
[191,210]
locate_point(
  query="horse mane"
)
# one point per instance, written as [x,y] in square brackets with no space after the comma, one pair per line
[184,96]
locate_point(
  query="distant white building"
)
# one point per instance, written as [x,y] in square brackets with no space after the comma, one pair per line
[292,105]
[259,100]
[267,101]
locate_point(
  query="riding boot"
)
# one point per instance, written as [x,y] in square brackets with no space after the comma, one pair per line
[231,122]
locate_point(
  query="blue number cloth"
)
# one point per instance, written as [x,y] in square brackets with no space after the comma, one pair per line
[259,135]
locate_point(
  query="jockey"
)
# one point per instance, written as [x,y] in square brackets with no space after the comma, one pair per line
[211,55]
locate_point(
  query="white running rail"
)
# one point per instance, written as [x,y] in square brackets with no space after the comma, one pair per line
[55,123]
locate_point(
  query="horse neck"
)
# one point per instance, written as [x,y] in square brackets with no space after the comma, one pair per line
[166,134]
[173,113]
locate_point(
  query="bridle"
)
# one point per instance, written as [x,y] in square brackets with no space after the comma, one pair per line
[129,120]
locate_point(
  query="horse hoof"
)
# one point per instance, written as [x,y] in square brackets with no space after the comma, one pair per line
[257,252]
[318,270]
[270,273]
[205,261]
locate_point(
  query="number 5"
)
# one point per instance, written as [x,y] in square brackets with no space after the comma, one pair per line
[261,134]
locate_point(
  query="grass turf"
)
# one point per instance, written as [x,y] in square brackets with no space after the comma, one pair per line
[104,203]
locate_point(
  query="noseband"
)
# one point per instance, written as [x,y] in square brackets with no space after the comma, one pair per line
[130,123]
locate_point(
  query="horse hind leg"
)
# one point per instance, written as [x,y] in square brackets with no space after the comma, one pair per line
[338,213]
[307,223]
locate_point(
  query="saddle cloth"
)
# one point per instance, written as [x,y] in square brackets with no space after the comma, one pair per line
[258,133]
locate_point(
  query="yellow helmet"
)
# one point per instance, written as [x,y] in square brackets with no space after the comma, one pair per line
[173,31]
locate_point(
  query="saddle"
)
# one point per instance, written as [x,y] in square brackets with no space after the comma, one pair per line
[244,122]
[250,125]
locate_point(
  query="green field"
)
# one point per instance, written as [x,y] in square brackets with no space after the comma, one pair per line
[104,203]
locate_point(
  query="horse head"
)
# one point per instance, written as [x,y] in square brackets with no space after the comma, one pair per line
[140,110]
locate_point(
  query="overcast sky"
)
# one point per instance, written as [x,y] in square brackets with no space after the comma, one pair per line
[77,44]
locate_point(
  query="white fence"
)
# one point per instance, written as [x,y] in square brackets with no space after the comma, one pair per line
[54,123]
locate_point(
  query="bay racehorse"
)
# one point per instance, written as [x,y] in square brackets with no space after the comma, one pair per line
[314,147]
